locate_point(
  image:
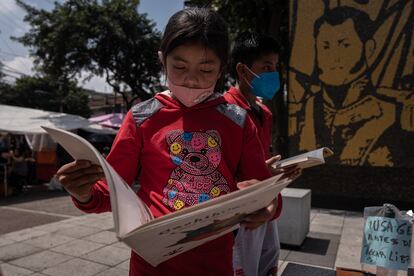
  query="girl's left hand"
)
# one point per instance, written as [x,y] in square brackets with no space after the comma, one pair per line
[263,215]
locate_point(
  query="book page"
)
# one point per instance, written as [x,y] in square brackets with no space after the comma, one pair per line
[214,202]
[181,231]
[129,211]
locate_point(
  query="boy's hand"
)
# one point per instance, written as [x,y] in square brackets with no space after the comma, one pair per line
[271,161]
[259,217]
[78,177]
[292,172]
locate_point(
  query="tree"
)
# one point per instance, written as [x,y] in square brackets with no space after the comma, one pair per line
[104,37]
[40,93]
[4,86]
[263,16]
[1,72]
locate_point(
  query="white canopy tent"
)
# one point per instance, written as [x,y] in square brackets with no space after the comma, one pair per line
[29,122]
[22,120]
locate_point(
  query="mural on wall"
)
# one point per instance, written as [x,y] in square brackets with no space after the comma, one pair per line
[351,80]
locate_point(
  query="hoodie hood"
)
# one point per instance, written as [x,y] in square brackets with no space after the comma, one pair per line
[172,103]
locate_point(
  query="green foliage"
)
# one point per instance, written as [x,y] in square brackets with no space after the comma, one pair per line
[1,73]
[263,16]
[76,102]
[107,38]
[43,93]
[5,92]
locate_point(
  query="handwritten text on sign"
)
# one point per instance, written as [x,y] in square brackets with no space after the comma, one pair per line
[387,242]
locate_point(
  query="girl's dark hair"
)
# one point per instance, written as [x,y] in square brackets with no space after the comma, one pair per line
[200,25]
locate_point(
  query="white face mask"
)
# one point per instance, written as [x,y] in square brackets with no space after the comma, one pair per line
[186,95]
[190,96]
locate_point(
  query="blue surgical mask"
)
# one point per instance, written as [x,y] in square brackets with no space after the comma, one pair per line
[265,85]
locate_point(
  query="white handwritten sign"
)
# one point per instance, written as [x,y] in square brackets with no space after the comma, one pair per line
[387,242]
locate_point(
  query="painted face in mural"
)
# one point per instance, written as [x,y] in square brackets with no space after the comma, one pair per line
[340,53]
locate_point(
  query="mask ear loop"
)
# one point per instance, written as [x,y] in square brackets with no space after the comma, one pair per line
[253,73]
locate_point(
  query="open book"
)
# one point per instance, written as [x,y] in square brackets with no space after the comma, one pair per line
[157,240]
[306,160]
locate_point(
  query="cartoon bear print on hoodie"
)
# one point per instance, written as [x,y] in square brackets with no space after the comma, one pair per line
[196,178]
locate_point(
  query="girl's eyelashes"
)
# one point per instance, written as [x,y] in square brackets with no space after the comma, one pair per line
[206,68]
[201,70]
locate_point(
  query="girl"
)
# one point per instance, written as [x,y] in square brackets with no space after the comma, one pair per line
[188,143]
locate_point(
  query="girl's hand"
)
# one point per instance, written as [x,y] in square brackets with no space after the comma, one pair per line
[263,215]
[78,177]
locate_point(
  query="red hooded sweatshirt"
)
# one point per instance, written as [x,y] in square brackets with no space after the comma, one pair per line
[263,125]
[185,156]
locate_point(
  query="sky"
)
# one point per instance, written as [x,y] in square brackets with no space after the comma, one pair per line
[15,57]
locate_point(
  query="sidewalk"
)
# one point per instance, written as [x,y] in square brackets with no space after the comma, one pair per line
[87,245]
[334,240]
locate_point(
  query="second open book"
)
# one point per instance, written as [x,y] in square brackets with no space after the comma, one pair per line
[306,160]
[157,240]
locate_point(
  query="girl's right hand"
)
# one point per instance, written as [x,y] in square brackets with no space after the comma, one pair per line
[78,177]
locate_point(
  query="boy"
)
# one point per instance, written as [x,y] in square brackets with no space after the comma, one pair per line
[254,61]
